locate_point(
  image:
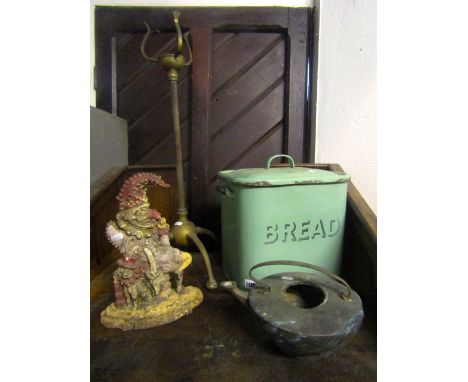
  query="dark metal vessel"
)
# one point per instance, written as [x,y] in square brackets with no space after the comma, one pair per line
[307,315]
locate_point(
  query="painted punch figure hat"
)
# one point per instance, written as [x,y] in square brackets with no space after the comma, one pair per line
[135,217]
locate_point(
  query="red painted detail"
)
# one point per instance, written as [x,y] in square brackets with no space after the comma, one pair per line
[163,231]
[133,190]
[154,214]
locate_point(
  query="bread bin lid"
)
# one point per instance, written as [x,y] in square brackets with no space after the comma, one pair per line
[282,176]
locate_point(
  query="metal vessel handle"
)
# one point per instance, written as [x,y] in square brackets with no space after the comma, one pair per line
[264,285]
[289,158]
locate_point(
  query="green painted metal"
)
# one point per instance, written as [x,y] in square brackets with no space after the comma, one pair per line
[268,214]
[282,176]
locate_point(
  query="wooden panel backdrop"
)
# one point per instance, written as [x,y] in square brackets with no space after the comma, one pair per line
[243,99]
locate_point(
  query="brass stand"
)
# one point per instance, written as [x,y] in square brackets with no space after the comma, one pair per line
[183,232]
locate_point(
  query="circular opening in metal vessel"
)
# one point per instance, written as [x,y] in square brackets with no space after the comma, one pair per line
[304,296]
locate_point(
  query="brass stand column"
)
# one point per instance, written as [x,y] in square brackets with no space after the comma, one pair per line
[172,75]
[183,232]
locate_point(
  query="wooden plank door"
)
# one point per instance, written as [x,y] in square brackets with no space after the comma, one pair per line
[246,107]
[243,99]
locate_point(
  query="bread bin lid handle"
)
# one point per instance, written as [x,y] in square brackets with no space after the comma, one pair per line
[289,158]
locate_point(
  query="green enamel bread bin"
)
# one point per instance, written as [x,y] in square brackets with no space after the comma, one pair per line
[283,213]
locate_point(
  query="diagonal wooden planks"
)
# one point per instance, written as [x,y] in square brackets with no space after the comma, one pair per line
[246,98]
[239,96]
[238,54]
[268,112]
[247,104]
[156,123]
[144,99]
[248,95]
[130,61]
[252,104]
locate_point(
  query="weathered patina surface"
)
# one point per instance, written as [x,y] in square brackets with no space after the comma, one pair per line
[308,315]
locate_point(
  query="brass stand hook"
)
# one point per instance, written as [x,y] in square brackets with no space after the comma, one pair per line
[143,44]
[180,46]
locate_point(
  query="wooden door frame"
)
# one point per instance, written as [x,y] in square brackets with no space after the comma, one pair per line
[297,24]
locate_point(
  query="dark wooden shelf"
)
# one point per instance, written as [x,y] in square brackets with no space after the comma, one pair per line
[220,341]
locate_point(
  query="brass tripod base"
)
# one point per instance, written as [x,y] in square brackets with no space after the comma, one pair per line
[184,232]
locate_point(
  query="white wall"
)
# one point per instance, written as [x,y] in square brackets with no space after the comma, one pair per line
[346,86]
[347,91]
